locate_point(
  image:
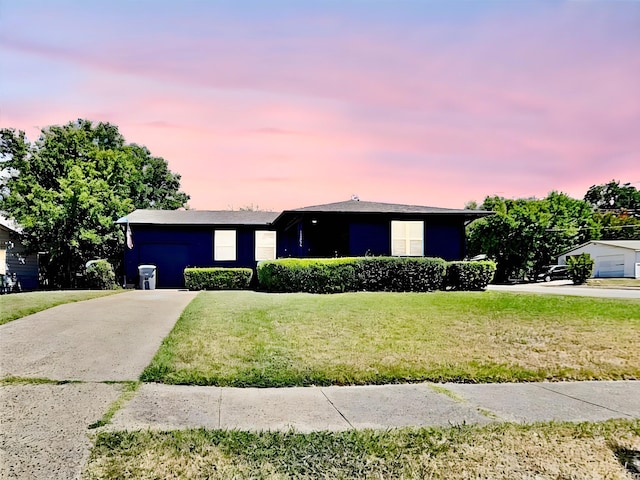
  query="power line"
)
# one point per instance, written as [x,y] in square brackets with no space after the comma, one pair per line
[590,228]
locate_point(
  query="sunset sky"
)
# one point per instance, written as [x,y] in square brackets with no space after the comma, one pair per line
[284,104]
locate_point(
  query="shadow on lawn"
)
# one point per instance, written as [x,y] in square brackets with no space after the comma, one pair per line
[628,458]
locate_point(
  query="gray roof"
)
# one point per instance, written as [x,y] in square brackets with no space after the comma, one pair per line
[357,206]
[226,217]
[630,244]
[198,217]
[10,224]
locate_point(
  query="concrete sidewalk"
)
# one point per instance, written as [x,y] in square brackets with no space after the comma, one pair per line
[307,409]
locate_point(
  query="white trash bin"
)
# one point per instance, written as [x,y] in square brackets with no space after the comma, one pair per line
[147,275]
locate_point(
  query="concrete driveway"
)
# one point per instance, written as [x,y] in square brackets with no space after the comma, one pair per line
[565,287]
[105,339]
[44,427]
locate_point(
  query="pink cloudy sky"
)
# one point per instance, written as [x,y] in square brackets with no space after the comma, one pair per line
[284,104]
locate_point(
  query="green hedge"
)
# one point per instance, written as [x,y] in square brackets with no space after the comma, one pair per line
[351,274]
[469,275]
[311,275]
[400,274]
[580,267]
[100,275]
[216,278]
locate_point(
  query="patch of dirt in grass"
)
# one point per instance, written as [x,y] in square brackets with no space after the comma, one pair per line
[559,351]
[537,453]
[153,463]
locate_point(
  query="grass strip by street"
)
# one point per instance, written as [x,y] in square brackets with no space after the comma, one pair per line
[33,381]
[128,391]
[498,451]
[272,340]
[614,282]
[18,305]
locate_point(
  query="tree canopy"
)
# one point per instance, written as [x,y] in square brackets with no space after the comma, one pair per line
[617,209]
[613,197]
[525,235]
[68,187]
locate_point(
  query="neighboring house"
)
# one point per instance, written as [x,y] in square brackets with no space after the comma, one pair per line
[173,240]
[13,261]
[613,258]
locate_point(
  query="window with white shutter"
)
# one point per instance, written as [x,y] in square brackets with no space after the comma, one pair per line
[224,245]
[407,238]
[265,245]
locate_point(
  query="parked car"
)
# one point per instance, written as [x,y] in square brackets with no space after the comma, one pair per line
[554,272]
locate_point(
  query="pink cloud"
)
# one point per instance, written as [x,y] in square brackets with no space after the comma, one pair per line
[521,105]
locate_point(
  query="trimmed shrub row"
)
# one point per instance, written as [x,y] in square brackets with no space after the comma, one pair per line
[469,275]
[334,275]
[312,275]
[215,278]
[390,274]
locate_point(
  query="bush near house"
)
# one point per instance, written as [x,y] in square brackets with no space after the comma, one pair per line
[580,267]
[334,275]
[100,275]
[393,274]
[314,275]
[469,275]
[217,278]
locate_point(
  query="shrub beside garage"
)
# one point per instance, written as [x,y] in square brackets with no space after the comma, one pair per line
[216,278]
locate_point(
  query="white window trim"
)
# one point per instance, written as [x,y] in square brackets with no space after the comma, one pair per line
[402,237]
[261,245]
[224,245]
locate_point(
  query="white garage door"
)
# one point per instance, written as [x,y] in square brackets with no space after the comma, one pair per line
[610,266]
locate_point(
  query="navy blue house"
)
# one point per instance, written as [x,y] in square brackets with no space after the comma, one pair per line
[173,240]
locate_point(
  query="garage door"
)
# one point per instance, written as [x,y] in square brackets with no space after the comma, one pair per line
[170,260]
[610,266]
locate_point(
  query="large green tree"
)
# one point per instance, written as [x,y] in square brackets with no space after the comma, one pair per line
[527,234]
[69,186]
[617,209]
[614,197]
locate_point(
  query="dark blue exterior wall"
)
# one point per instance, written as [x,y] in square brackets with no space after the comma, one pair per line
[334,234]
[173,248]
[445,240]
[369,238]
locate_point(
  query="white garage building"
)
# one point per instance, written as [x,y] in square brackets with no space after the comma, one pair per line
[613,258]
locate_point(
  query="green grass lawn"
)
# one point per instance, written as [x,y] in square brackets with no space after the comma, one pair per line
[544,451]
[254,339]
[17,305]
[614,282]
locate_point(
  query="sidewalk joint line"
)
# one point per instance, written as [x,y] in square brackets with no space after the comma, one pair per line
[584,401]
[220,410]
[336,408]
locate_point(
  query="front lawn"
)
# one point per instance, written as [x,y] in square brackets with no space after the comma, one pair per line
[544,451]
[18,305]
[246,338]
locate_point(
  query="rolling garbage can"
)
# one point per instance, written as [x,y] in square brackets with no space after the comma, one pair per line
[147,277]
